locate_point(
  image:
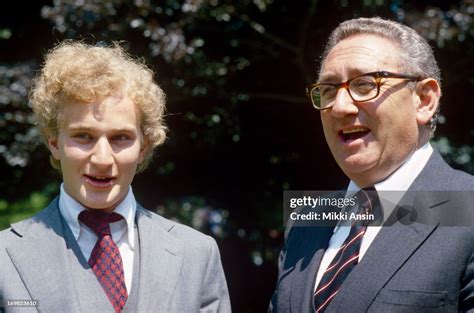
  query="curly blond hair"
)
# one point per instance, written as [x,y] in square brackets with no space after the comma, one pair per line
[77,72]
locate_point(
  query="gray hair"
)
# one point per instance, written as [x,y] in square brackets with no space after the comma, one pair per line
[415,52]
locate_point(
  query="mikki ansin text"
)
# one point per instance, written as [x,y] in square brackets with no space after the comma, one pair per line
[332,216]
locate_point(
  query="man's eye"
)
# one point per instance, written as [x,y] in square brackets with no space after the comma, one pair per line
[121,137]
[83,136]
[327,91]
[363,86]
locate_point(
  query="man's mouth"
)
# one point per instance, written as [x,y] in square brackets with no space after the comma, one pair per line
[353,133]
[100,180]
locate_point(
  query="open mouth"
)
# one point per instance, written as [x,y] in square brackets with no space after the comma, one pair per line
[353,133]
[99,181]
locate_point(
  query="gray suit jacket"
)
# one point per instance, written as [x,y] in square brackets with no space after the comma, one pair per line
[179,270]
[417,267]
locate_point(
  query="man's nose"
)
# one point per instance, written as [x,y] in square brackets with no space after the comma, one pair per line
[102,154]
[343,104]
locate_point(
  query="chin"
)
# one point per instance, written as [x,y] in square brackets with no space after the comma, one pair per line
[98,203]
[97,209]
[357,162]
[355,166]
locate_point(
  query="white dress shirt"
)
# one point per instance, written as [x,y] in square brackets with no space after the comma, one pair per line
[399,181]
[122,231]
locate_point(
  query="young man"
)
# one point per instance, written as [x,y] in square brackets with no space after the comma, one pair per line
[94,248]
[378,96]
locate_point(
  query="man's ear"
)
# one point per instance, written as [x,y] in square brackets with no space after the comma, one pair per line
[428,93]
[52,140]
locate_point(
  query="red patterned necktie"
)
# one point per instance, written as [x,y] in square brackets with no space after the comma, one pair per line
[105,259]
[347,256]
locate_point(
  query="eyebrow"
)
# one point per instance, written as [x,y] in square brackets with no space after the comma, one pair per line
[91,129]
[331,78]
[327,78]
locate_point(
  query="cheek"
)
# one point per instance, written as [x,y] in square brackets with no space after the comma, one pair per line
[397,126]
[387,114]
[70,153]
[326,123]
[129,157]
[402,110]
[73,154]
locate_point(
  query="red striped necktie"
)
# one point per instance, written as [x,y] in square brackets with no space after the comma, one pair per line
[105,259]
[347,256]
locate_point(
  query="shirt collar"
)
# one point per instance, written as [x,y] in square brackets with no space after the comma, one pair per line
[70,210]
[404,176]
[400,180]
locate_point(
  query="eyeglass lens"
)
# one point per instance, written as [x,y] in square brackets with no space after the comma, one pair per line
[360,88]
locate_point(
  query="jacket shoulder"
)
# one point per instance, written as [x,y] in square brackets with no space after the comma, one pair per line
[45,218]
[438,175]
[183,232]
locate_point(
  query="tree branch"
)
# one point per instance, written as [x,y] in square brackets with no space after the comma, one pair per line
[261,30]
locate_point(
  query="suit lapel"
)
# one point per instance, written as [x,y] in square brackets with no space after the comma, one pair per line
[387,253]
[161,258]
[40,258]
[309,244]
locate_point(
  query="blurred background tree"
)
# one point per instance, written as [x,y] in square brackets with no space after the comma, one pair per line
[241,129]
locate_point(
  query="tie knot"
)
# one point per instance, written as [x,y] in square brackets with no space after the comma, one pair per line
[368,199]
[99,221]
[369,203]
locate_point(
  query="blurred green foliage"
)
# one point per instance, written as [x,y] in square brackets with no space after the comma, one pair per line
[15,211]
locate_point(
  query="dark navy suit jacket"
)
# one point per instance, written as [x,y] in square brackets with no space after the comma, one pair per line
[423,266]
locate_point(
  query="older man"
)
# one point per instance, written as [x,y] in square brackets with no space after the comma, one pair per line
[378,95]
[94,248]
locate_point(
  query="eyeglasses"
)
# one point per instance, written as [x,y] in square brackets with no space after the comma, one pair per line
[361,88]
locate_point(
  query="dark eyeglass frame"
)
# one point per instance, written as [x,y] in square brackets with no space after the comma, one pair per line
[379,75]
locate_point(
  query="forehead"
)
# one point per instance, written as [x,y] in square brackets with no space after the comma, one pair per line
[109,113]
[360,54]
